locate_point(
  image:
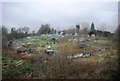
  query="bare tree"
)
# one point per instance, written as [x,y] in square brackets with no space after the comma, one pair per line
[19,30]
[4,31]
[70,31]
[25,30]
[103,26]
[84,31]
[33,32]
[4,36]
[78,28]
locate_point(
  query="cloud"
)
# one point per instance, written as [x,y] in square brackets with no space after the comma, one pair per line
[60,1]
[62,14]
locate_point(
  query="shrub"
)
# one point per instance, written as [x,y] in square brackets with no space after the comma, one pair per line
[11,71]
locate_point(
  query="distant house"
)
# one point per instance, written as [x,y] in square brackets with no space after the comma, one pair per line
[91,33]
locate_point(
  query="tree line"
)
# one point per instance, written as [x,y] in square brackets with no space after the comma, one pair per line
[22,32]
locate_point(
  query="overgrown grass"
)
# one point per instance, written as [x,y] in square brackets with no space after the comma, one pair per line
[62,68]
[59,67]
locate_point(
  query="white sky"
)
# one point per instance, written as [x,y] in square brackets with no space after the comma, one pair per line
[60,14]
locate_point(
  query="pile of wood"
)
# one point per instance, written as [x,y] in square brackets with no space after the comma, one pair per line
[17,64]
[78,56]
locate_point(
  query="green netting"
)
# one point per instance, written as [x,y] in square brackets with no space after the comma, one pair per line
[54,35]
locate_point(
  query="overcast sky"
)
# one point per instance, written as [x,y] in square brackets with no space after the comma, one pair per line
[60,14]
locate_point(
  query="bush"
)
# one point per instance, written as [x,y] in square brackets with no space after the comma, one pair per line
[11,71]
